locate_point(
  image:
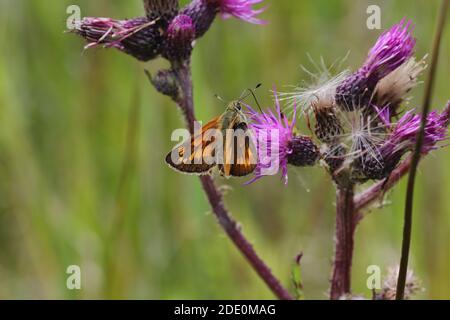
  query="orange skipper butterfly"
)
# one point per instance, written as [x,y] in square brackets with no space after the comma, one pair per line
[225,142]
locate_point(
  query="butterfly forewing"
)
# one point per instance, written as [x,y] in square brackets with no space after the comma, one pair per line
[190,156]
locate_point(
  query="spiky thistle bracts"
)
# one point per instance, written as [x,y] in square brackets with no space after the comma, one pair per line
[202,13]
[393,48]
[164,10]
[328,126]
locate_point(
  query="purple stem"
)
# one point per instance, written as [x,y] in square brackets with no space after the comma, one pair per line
[345,229]
[230,226]
[348,215]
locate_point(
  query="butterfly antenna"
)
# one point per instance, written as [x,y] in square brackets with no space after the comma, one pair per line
[243,96]
[219,98]
[252,92]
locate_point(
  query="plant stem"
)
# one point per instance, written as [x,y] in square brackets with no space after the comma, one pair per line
[345,228]
[230,226]
[233,231]
[407,226]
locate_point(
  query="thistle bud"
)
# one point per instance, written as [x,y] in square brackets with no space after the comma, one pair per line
[372,167]
[303,152]
[180,35]
[165,82]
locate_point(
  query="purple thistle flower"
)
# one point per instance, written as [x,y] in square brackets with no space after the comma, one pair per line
[277,143]
[138,37]
[384,114]
[241,9]
[405,132]
[393,48]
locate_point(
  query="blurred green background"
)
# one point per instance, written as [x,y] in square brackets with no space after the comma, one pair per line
[82,178]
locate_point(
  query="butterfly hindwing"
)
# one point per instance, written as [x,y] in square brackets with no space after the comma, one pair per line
[240,153]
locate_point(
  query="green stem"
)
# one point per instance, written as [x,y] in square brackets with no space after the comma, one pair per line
[407,226]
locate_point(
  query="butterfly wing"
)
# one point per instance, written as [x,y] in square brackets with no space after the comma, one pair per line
[194,162]
[246,163]
[239,154]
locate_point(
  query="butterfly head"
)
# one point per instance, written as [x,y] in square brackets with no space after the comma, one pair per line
[236,107]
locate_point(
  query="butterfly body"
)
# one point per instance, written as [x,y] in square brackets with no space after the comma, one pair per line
[215,145]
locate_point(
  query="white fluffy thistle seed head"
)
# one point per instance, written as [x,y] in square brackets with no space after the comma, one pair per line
[320,90]
[392,90]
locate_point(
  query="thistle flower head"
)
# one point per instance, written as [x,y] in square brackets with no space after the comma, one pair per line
[358,142]
[277,143]
[241,9]
[274,135]
[402,139]
[405,132]
[393,48]
[138,37]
